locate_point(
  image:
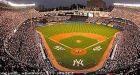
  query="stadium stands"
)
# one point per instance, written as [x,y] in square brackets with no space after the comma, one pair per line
[20,50]
[131,14]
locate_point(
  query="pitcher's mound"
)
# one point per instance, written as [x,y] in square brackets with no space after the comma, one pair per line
[78,41]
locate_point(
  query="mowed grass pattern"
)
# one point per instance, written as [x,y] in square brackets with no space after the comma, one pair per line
[65,58]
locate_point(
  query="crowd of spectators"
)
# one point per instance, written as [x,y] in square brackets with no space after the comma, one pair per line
[126,58]
[91,20]
[127,54]
[20,50]
[131,14]
[11,19]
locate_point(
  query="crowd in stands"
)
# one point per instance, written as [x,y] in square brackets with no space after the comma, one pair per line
[126,58]
[14,46]
[11,19]
[127,55]
[91,20]
[8,65]
[20,51]
[114,22]
[131,14]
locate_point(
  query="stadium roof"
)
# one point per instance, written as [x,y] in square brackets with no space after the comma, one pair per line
[127,5]
[11,4]
[20,5]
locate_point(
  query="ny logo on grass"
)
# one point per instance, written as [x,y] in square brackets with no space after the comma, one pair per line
[58,48]
[78,63]
[98,48]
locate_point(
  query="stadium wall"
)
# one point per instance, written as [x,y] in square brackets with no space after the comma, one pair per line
[99,13]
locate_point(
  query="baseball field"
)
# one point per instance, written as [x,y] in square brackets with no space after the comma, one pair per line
[77,46]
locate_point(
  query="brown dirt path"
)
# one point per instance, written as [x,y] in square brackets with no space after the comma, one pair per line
[89,35]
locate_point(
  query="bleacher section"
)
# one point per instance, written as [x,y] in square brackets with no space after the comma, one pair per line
[20,50]
[131,14]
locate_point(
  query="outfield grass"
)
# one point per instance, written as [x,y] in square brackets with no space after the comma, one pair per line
[65,58]
[66,28]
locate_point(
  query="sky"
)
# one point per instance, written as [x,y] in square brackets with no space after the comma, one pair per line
[54,3]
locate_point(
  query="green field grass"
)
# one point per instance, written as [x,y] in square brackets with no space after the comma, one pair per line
[71,41]
[65,58]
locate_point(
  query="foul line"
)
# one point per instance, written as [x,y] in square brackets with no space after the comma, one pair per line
[96,43]
[61,43]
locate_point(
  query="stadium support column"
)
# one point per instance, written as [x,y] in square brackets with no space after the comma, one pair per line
[31,19]
[114,50]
